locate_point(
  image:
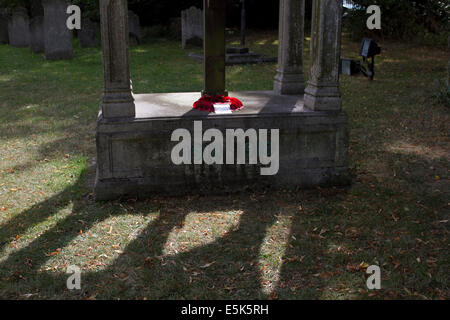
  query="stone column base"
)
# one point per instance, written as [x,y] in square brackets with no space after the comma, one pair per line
[289,83]
[322,98]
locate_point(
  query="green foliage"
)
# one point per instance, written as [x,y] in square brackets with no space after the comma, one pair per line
[89,8]
[10,4]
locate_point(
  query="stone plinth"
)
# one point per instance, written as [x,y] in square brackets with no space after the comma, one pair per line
[57,37]
[134,154]
[238,58]
[18,28]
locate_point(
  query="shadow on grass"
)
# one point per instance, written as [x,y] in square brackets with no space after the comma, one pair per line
[225,268]
[228,267]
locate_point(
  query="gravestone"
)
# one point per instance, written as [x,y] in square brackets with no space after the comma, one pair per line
[4,38]
[57,37]
[192,26]
[18,28]
[134,28]
[88,35]
[37,34]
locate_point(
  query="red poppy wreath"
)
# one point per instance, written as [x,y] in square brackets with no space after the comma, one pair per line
[206,103]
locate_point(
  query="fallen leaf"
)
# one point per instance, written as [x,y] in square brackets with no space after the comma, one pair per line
[363,265]
[207,265]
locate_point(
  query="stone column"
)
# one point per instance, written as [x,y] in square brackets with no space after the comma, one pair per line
[322,92]
[243,22]
[214,47]
[117,100]
[289,78]
[57,37]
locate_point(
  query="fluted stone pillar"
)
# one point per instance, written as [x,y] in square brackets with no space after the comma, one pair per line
[289,78]
[322,92]
[214,46]
[117,100]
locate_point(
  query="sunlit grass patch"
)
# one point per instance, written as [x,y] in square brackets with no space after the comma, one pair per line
[199,229]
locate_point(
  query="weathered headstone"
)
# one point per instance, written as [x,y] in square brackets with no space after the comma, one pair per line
[4,38]
[192,26]
[57,37]
[88,35]
[37,34]
[18,28]
[134,28]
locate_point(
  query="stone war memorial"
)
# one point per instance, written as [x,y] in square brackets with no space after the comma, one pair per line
[135,132]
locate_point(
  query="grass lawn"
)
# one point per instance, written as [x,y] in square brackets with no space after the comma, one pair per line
[309,244]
